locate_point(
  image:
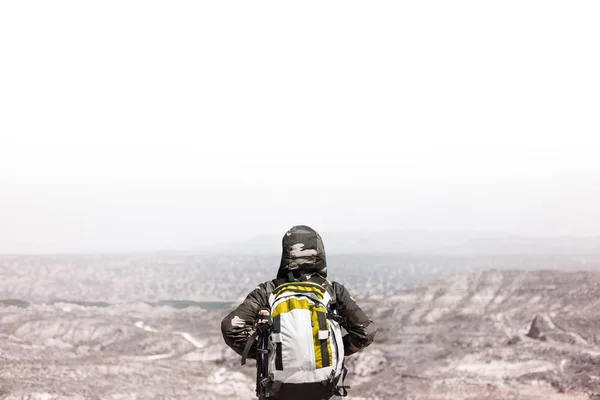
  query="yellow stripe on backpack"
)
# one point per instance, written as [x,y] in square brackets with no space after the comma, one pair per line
[293,287]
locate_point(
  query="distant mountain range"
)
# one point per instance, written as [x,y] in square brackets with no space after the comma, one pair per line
[429,242]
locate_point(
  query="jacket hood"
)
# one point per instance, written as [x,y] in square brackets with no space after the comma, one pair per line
[302,252]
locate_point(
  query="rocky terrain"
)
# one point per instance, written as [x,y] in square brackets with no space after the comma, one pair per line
[469,334]
[118,352]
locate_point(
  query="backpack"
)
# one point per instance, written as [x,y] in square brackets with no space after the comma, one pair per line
[305,352]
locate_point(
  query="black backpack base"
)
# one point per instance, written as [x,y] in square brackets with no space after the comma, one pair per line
[300,391]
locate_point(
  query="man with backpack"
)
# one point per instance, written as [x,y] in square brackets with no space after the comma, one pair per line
[293,325]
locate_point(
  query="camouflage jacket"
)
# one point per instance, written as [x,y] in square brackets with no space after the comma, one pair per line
[237,326]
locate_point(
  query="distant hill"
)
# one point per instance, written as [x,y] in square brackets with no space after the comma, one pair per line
[422,241]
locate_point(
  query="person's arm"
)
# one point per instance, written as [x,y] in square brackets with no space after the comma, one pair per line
[238,325]
[361,330]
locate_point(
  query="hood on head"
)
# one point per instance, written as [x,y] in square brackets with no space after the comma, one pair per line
[302,252]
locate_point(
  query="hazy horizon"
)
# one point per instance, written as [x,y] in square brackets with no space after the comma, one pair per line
[188,125]
[442,242]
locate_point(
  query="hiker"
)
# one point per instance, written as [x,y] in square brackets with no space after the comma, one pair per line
[301,318]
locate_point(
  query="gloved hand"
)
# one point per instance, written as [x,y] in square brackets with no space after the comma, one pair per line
[264,316]
[263,319]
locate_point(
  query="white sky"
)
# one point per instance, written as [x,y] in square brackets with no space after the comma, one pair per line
[147,125]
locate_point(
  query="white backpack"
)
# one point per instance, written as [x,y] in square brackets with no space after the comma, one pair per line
[305,351]
[306,338]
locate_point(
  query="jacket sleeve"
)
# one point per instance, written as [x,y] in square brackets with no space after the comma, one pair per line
[361,330]
[238,325]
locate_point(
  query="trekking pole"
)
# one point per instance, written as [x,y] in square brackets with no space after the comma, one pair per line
[262,355]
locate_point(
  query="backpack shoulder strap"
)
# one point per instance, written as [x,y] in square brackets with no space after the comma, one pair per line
[249,343]
[327,285]
[277,282]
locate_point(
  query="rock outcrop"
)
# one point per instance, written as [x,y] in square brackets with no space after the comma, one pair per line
[537,329]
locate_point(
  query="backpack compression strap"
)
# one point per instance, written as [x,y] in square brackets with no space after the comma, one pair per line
[341,390]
